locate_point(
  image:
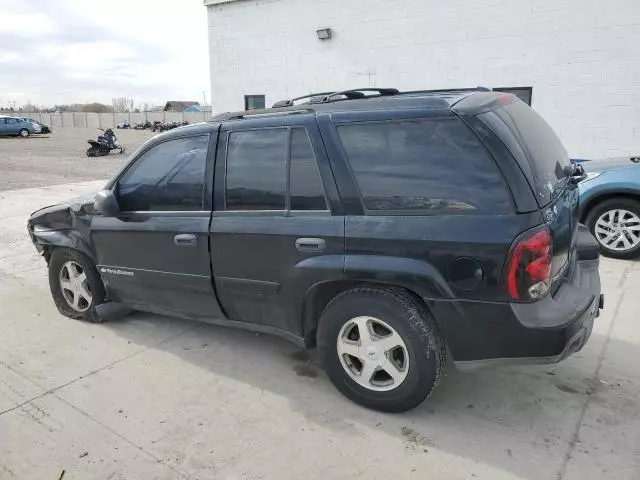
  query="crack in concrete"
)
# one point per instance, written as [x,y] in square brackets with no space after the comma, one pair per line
[52,392]
[595,378]
[123,438]
[87,375]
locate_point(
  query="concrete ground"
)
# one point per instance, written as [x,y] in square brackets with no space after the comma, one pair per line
[60,157]
[150,397]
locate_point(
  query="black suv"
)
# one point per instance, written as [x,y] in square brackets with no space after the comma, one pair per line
[391,229]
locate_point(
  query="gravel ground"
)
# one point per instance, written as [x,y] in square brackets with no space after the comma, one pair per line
[60,158]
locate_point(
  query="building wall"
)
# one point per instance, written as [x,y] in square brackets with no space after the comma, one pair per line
[582,57]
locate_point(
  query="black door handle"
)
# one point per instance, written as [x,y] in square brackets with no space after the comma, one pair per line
[311,244]
[185,240]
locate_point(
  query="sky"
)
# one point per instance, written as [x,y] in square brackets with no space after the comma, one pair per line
[81,51]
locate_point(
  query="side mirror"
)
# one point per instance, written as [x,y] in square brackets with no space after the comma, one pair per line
[578,174]
[106,203]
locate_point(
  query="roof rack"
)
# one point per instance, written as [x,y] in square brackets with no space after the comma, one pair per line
[327,97]
[268,112]
[283,107]
[449,90]
[290,103]
[357,93]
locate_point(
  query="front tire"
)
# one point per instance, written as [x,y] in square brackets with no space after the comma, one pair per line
[76,285]
[24,133]
[381,348]
[616,225]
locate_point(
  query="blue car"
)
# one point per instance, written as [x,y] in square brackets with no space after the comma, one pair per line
[610,204]
[18,126]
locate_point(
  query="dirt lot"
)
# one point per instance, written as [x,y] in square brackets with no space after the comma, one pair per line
[58,158]
[150,397]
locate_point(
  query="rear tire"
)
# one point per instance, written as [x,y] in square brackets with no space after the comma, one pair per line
[76,285]
[24,133]
[416,363]
[91,152]
[602,218]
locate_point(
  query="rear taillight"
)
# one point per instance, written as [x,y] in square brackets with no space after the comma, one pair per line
[529,267]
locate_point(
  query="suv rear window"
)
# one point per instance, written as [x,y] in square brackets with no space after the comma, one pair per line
[434,166]
[544,150]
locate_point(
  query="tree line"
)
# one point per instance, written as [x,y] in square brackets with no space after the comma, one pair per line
[118,105]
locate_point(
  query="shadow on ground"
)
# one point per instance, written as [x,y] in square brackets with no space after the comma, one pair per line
[516,419]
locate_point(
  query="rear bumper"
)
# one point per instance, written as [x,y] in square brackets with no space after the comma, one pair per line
[546,331]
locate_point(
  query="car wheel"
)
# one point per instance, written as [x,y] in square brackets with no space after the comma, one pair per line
[24,133]
[76,285]
[380,348]
[616,225]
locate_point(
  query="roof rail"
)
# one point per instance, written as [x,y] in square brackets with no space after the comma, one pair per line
[356,93]
[290,103]
[258,113]
[449,90]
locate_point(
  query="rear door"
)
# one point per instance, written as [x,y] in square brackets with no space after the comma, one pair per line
[277,228]
[12,126]
[539,151]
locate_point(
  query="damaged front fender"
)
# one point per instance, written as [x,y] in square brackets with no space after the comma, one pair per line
[64,225]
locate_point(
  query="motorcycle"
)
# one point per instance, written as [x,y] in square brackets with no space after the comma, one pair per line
[104,144]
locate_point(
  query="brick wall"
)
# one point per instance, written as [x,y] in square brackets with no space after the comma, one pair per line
[582,57]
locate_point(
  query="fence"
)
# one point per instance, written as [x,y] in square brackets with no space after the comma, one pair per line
[109,120]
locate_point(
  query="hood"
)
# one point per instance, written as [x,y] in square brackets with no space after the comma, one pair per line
[60,215]
[608,164]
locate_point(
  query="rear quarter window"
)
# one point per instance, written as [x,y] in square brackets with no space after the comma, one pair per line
[427,166]
[544,150]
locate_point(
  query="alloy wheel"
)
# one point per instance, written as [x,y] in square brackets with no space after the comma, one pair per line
[74,286]
[373,354]
[618,230]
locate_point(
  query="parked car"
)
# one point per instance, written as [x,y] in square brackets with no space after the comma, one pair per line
[389,229]
[610,205]
[43,128]
[17,126]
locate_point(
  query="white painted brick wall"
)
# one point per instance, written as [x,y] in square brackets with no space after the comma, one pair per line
[582,57]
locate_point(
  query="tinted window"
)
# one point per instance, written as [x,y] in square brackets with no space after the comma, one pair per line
[437,166]
[306,186]
[256,170]
[12,121]
[547,156]
[169,176]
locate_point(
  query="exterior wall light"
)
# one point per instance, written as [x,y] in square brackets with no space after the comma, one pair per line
[324,33]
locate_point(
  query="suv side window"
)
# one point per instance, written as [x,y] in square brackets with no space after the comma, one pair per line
[306,188]
[256,170]
[431,166]
[168,177]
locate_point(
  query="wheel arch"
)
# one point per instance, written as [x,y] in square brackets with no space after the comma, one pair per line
[593,201]
[51,239]
[320,294]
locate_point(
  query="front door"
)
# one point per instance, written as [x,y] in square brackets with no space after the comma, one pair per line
[277,228]
[155,253]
